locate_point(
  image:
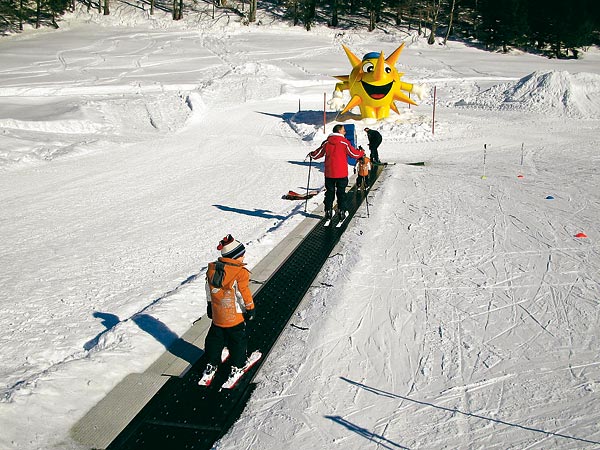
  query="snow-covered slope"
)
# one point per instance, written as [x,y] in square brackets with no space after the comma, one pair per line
[462,313]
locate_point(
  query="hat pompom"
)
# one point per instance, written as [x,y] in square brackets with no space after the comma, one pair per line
[230,248]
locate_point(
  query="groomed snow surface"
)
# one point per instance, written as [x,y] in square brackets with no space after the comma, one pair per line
[461,312]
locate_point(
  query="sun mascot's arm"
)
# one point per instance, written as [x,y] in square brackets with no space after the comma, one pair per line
[337,102]
[355,101]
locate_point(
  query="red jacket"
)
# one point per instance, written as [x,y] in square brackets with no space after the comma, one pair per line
[335,149]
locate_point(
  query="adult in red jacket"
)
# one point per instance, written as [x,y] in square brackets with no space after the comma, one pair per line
[335,149]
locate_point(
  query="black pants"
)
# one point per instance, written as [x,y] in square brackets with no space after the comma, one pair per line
[360,180]
[335,187]
[234,338]
[374,153]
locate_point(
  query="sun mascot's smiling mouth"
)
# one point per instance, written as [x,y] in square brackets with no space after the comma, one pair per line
[377,92]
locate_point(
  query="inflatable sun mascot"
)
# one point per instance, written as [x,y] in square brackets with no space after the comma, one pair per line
[374,85]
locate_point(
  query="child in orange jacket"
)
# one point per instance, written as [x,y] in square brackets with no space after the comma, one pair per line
[230,304]
[363,168]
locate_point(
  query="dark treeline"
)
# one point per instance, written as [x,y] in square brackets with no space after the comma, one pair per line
[14,14]
[556,28]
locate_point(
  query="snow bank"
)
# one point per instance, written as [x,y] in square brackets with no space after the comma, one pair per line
[53,126]
[558,93]
[43,128]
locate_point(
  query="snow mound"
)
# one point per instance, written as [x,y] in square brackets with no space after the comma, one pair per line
[558,93]
[53,126]
[404,127]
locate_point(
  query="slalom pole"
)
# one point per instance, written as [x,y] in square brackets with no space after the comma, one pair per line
[433,116]
[522,144]
[483,177]
[308,182]
[324,112]
[367,202]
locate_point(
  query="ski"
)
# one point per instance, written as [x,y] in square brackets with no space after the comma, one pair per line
[208,376]
[341,222]
[233,379]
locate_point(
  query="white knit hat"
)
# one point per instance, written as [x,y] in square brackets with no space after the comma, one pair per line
[230,248]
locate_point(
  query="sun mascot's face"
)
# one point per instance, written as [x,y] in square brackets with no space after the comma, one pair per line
[374,84]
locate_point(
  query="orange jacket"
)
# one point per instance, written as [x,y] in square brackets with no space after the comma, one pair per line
[364,167]
[228,291]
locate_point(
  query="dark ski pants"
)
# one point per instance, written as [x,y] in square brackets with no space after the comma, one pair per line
[234,338]
[360,180]
[335,187]
[374,152]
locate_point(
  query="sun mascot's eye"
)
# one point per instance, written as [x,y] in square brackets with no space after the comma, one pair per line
[388,69]
[368,67]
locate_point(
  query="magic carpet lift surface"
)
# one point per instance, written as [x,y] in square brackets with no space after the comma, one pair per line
[183,415]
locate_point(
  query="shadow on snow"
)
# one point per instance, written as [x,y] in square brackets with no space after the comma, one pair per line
[457,411]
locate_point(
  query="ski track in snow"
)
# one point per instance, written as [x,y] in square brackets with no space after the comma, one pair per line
[485,274]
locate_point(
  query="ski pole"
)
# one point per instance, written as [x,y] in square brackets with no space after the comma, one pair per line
[308,182]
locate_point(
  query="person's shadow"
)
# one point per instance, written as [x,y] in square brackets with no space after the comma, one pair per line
[163,334]
[155,328]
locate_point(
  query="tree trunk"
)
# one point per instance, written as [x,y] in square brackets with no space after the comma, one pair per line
[295,13]
[38,13]
[106,7]
[252,12]
[334,14]
[310,11]
[450,21]
[371,19]
[151,7]
[21,15]
[435,11]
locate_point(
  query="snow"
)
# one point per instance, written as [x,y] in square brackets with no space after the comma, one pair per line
[462,313]
[553,92]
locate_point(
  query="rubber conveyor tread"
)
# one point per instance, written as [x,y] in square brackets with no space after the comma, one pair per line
[183,415]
